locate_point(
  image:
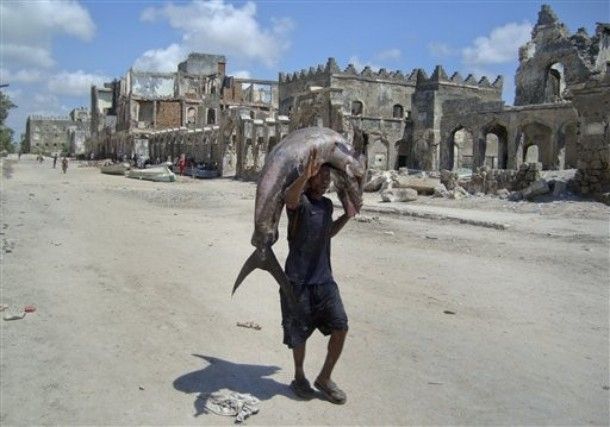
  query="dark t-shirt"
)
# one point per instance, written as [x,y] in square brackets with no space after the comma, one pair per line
[309,227]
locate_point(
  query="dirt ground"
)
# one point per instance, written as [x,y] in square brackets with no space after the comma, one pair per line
[449,323]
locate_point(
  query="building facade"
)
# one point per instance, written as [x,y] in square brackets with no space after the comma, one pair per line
[51,135]
[436,122]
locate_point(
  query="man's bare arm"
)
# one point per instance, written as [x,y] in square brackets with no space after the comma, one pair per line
[338,224]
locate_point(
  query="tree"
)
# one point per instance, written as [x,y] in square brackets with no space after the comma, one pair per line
[6,134]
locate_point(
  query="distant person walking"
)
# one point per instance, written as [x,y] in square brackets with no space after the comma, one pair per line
[54,160]
[182,163]
[64,164]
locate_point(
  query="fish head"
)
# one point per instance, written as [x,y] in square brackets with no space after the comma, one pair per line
[343,157]
[349,188]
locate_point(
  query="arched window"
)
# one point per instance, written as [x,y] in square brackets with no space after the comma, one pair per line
[555,84]
[356,108]
[398,112]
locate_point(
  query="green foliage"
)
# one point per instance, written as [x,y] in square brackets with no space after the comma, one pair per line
[6,134]
[5,105]
[6,139]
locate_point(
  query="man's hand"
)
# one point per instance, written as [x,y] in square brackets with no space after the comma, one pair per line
[312,167]
[292,195]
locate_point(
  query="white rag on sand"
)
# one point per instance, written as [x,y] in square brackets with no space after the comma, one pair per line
[232,404]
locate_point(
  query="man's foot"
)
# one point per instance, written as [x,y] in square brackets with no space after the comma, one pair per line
[331,391]
[302,388]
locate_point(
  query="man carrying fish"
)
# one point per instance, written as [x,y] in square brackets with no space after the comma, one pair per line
[297,173]
[310,228]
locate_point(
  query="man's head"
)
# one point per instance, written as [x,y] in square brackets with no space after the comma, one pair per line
[319,183]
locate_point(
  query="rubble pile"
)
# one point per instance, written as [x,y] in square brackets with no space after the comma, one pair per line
[401,185]
[528,182]
[524,183]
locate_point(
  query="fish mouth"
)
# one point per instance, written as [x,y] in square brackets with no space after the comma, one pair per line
[351,207]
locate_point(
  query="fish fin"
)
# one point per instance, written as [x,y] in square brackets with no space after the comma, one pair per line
[268,263]
[253,262]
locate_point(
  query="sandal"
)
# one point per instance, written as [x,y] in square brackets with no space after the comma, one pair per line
[332,392]
[302,389]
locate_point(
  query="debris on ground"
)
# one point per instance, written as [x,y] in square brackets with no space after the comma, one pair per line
[250,325]
[232,404]
[14,316]
[368,219]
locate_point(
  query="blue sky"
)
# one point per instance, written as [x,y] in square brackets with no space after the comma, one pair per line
[52,51]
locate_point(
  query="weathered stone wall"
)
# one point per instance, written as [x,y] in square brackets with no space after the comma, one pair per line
[203,64]
[379,92]
[293,84]
[592,100]
[553,61]
[439,96]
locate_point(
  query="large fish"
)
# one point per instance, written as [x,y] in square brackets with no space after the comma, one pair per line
[284,164]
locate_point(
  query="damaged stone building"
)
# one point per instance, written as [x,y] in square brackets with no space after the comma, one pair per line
[414,120]
[51,135]
[560,118]
[197,110]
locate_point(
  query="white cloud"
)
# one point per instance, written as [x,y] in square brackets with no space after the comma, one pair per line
[389,55]
[21,76]
[26,55]
[29,27]
[161,59]
[74,84]
[441,50]
[501,46]
[35,22]
[242,74]
[46,101]
[217,27]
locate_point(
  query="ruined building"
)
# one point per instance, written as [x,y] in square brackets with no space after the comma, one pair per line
[53,135]
[437,122]
[560,118]
[197,110]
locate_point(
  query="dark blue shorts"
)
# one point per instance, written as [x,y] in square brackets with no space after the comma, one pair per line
[321,307]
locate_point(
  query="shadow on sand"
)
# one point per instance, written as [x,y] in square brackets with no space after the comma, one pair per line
[241,378]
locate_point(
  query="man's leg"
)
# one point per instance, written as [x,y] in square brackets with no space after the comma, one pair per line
[298,354]
[335,346]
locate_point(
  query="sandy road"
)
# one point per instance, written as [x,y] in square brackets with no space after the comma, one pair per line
[135,325]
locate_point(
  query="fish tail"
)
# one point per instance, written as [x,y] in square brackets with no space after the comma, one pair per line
[268,262]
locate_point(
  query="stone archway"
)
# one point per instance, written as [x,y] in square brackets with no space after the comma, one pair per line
[378,153]
[493,150]
[566,146]
[539,135]
[458,151]
[555,83]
